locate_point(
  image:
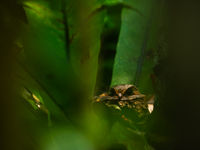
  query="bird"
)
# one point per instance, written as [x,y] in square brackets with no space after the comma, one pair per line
[124,103]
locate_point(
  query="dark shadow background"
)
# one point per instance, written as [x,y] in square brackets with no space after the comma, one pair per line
[10,129]
[176,122]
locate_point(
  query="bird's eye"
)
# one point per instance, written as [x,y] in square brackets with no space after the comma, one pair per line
[112,92]
[128,92]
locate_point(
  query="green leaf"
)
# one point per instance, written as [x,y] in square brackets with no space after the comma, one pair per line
[30,86]
[131,64]
[85,46]
[44,47]
[60,50]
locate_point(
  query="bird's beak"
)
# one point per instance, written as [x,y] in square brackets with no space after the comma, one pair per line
[151,103]
[150,108]
[120,94]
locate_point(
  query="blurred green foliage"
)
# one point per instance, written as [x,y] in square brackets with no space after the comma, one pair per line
[67,54]
[67,51]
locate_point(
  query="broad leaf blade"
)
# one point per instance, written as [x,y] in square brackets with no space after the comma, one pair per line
[133,44]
